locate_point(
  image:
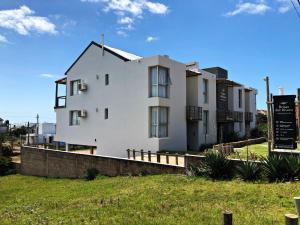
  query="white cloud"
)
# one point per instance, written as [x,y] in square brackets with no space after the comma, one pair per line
[129,11]
[258,8]
[126,20]
[156,8]
[122,33]
[285,6]
[3,39]
[48,75]
[151,39]
[23,21]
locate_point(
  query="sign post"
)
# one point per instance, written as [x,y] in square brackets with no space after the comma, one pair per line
[285,131]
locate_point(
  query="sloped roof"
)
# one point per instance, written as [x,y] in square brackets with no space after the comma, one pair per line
[125,56]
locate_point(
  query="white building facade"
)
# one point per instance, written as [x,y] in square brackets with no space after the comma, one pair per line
[114,101]
[129,103]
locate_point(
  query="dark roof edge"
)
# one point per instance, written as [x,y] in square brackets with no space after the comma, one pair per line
[100,46]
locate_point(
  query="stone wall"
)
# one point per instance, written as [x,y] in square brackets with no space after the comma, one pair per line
[240,144]
[54,163]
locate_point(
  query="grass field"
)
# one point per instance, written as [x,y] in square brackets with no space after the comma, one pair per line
[164,199]
[261,150]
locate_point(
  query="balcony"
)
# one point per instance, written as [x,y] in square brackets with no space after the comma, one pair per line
[224,116]
[238,116]
[60,100]
[193,113]
[248,116]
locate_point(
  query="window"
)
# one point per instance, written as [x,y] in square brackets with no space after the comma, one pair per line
[159,119]
[74,118]
[205,90]
[106,113]
[240,98]
[75,87]
[106,79]
[205,122]
[160,81]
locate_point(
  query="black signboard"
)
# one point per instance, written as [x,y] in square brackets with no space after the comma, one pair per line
[285,131]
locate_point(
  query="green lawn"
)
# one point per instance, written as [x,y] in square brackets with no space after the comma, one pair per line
[261,150]
[165,199]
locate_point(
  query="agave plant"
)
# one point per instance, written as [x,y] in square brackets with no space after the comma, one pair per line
[217,166]
[249,171]
[281,168]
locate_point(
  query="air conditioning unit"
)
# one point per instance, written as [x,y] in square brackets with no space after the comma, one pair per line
[82,87]
[82,113]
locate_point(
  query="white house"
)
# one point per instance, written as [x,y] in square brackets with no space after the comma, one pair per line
[236,106]
[43,133]
[116,101]
[113,100]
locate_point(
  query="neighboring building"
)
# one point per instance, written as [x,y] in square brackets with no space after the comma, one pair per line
[41,133]
[201,107]
[4,126]
[236,106]
[114,100]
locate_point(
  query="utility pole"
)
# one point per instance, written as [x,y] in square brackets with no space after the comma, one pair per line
[266,79]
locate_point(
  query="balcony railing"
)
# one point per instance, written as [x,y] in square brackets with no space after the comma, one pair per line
[248,116]
[224,116]
[193,113]
[238,116]
[60,102]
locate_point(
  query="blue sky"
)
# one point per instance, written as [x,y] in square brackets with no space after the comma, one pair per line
[39,40]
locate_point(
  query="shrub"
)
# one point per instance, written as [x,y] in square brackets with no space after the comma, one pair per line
[6,151]
[249,171]
[217,166]
[281,168]
[194,171]
[5,165]
[91,174]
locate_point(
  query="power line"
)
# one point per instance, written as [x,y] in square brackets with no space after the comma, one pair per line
[296,8]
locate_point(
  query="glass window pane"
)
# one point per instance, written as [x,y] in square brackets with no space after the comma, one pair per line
[162,76]
[154,91]
[154,115]
[162,91]
[153,72]
[163,131]
[163,115]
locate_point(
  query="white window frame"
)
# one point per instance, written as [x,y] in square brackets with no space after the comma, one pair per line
[74,121]
[157,85]
[72,85]
[157,124]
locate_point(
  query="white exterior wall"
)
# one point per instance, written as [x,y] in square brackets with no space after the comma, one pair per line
[211,107]
[195,87]
[128,102]
[252,103]
[47,128]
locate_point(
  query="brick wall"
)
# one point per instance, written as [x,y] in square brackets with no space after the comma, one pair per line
[53,163]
